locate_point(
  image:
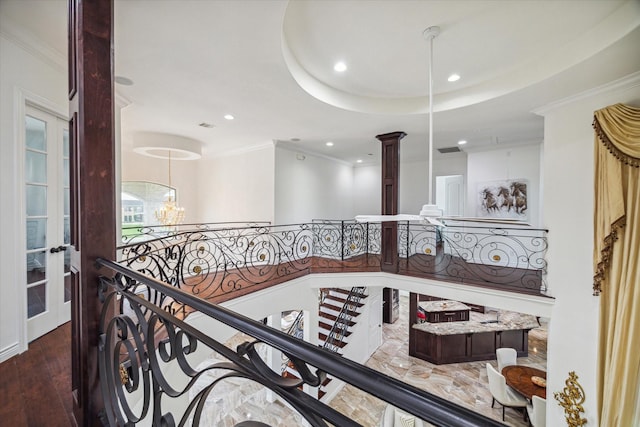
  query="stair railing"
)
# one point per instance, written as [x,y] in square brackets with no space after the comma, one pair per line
[296,330]
[341,325]
[137,344]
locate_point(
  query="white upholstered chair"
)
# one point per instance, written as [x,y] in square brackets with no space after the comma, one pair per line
[537,412]
[502,393]
[394,417]
[506,357]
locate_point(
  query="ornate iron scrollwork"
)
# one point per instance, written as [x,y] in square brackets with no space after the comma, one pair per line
[157,349]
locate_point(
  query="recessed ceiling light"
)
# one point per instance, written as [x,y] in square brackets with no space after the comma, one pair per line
[453,78]
[229,117]
[329,144]
[340,67]
[462,142]
[359,161]
[124,81]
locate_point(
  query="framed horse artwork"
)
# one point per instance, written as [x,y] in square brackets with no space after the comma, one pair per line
[503,199]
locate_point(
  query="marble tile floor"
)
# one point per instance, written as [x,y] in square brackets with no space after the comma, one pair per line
[463,383]
[466,384]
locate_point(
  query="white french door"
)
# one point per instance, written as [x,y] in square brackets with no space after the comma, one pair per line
[47,207]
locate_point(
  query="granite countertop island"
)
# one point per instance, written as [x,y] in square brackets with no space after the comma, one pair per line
[435,306]
[479,322]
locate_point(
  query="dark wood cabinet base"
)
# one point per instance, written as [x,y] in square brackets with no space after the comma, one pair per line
[442,349]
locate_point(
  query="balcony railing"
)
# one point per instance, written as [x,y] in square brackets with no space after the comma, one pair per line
[140,343]
[217,263]
[505,257]
[134,234]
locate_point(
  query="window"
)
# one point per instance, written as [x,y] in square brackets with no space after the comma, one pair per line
[140,200]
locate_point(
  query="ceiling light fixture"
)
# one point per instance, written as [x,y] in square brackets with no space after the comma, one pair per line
[124,81]
[359,161]
[462,142]
[170,213]
[329,144]
[340,67]
[155,144]
[229,117]
[453,78]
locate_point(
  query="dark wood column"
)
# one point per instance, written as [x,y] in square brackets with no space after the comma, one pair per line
[93,231]
[390,182]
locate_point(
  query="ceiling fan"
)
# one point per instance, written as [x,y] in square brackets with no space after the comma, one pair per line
[430,212]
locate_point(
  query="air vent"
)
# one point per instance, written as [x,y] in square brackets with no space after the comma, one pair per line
[206,125]
[447,150]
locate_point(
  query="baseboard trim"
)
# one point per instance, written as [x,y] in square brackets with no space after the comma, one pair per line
[10,351]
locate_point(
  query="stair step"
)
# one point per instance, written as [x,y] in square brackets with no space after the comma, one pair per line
[343,291]
[323,338]
[288,374]
[338,309]
[326,326]
[333,318]
[341,301]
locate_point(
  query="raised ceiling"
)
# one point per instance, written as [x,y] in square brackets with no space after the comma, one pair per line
[270,64]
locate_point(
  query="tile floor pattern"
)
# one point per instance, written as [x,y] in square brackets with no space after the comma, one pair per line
[466,384]
[463,383]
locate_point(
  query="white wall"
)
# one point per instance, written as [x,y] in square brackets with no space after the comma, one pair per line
[568,214]
[42,79]
[238,187]
[502,164]
[312,188]
[366,190]
[413,191]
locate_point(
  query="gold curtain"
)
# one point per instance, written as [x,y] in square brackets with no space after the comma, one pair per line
[617,259]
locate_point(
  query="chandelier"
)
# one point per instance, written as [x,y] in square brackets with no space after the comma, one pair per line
[170,214]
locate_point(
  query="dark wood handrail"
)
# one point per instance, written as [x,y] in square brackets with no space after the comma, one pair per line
[420,403]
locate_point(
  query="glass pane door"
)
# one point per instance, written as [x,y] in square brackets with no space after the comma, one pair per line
[36,158]
[47,255]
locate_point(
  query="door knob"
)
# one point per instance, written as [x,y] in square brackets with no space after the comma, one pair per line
[58,249]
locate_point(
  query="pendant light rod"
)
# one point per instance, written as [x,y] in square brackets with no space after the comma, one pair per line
[430,34]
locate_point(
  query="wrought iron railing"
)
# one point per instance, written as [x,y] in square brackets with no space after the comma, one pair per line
[296,329]
[340,244]
[214,263]
[137,233]
[511,258]
[139,341]
[341,325]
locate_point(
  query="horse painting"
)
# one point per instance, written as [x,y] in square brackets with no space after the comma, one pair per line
[519,192]
[506,197]
[503,199]
[490,202]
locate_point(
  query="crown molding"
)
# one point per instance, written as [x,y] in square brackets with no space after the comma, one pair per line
[627,82]
[26,41]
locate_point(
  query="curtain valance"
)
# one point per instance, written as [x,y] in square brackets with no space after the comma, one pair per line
[617,144]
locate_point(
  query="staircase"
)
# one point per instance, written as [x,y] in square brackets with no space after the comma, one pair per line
[337,315]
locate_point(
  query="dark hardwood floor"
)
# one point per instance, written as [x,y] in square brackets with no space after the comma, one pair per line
[35,386]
